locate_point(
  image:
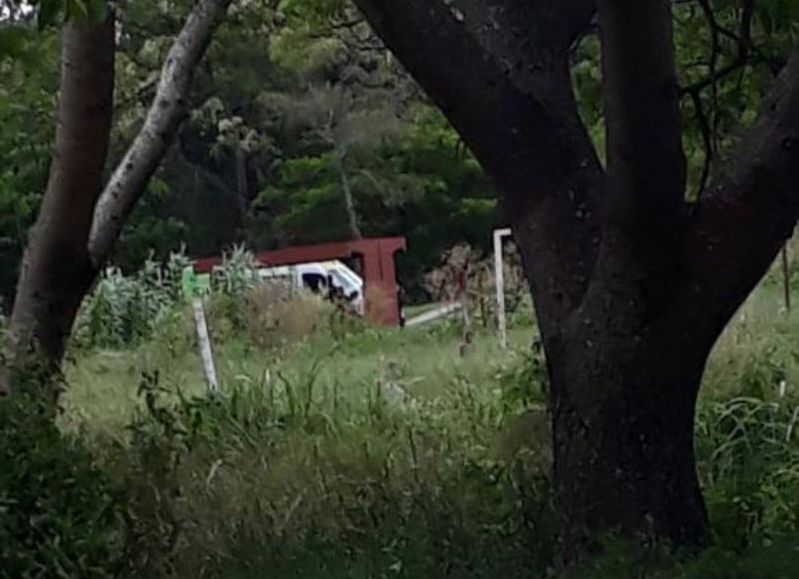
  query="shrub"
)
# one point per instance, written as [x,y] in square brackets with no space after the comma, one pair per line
[749,452]
[147,469]
[59,514]
[123,311]
[120,312]
[274,316]
[311,470]
[238,274]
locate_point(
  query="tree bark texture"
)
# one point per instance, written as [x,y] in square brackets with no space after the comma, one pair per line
[56,269]
[632,284]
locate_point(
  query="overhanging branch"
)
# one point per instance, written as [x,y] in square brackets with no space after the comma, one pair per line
[707,140]
[740,226]
[743,39]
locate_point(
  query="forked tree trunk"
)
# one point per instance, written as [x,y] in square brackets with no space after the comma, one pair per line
[627,363]
[632,286]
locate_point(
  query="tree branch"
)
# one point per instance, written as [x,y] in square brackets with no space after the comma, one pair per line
[740,226]
[715,77]
[744,57]
[743,38]
[500,74]
[130,178]
[707,139]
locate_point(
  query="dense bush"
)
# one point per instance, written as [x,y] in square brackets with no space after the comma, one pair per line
[124,310]
[274,316]
[306,479]
[290,476]
[285,479]
[59,514]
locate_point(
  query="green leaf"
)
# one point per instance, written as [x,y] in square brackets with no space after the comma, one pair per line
[49,12]
[98,10]
[77,10]
[12,41]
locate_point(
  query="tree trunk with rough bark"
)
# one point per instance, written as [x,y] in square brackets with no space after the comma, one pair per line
[632,285]
[623,394]
[56,269]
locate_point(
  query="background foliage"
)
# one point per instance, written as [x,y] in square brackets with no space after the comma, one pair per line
[297,98]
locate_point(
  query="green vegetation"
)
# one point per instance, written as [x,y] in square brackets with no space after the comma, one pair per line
[342,451]
[347,452]
[257,159]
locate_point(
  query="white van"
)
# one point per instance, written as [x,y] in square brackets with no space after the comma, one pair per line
[319,278]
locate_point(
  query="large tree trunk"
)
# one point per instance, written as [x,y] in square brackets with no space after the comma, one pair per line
[56,270]
[622,430]
[628,465]
[627,364]
[632,286]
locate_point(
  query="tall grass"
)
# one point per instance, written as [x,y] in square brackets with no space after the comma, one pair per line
[306,478]
[371,454]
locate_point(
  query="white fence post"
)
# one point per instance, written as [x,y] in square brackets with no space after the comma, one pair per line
[499,277]
[206,353]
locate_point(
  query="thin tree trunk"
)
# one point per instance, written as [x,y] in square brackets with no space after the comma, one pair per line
[349,201]
[242,184]
[56,269]
[130,179]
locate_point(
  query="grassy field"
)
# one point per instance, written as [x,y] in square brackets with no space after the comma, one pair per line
[103,385]
[361,454]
